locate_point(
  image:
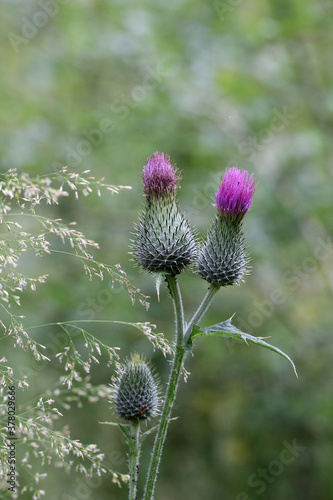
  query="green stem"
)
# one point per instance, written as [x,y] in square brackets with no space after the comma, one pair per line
[207,300]
[134,459]
[178,307]
[172,388]
[181,339]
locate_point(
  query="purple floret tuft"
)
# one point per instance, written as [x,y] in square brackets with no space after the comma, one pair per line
[234,197]
[159,176]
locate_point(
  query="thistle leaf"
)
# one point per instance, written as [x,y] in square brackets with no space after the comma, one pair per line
[227,329]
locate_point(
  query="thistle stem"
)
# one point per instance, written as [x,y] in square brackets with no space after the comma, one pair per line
[176,369]
[134,458]
[207,300]
[172,388]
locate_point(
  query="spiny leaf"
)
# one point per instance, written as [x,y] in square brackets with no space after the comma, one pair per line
[227,329]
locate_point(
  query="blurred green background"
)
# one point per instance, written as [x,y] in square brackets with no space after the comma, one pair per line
[100,85]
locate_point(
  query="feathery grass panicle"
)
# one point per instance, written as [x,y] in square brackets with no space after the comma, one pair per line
[21,200]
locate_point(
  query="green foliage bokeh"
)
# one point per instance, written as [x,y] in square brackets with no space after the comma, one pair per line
[102,84]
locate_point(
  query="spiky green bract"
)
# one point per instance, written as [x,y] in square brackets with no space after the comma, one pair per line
[164,241]
[135,390]
[223,260]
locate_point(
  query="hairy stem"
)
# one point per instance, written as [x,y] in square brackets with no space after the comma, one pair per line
[134,458]
[176,369]
[172,388]
[207,300]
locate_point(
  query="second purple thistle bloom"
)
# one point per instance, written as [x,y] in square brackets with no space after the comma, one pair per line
[234,197]
[223,260]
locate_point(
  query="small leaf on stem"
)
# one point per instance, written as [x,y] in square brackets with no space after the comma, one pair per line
[158,280]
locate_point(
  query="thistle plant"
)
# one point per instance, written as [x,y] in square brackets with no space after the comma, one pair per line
[166,245]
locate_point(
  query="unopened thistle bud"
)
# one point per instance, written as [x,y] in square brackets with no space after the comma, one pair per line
[135,390]
[164,241]
[223,260]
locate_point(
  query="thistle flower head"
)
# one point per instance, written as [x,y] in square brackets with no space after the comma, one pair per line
[159,176]
[234,197]
[135,390]
[164,241]
[223,260]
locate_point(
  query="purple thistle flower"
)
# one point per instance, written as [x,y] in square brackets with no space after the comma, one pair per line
[234,197]
[159,176]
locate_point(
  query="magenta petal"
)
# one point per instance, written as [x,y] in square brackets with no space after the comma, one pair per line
[234,197]
[159,176]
